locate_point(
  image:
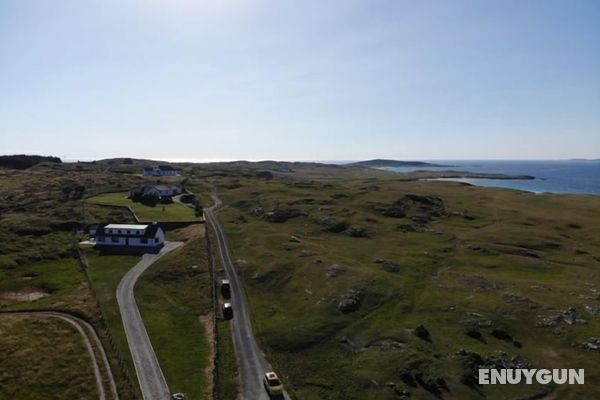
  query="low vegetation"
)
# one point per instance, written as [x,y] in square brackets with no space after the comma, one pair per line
[174,298]
[397,288]
[28,370]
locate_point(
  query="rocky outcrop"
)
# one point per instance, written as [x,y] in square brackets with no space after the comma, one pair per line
[280,215]
[388,265]
[350,301]
[569,317]
[335,270]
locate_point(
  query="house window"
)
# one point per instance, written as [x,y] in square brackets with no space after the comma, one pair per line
[115,239]
[100,239]
[144,240]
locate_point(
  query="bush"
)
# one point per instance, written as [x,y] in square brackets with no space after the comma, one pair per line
[149,199]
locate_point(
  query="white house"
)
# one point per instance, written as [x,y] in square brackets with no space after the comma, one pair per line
[160,170]
[135,236]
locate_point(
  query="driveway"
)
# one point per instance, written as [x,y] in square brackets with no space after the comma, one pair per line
[150,376]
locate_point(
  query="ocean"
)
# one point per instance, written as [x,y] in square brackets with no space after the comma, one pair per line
[565,176]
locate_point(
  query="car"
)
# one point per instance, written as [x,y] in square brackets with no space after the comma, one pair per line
[272,384]
[177,396]
[227,311]
[225,288]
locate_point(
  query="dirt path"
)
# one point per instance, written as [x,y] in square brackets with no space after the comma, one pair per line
[82,326]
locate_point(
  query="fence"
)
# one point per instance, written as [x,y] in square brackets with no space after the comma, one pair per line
[131,388]
[213,290]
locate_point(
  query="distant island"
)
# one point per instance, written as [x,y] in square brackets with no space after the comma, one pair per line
[383,163]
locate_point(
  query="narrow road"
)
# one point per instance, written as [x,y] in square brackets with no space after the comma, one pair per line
[152,381]
[251,361]
[82,326]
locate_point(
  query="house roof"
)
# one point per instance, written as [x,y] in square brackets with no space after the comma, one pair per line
[149,231]
[126,226]
[166,168]
[165,187]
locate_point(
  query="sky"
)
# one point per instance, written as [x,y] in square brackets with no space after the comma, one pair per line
[300,80]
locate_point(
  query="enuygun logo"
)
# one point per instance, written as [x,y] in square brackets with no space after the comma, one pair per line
[529,376]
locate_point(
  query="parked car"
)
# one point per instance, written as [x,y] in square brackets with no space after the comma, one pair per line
[177,396]
[273,384]
[225,288]
[227,311]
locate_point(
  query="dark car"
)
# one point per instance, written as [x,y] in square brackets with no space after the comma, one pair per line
[227,311]
[225,289]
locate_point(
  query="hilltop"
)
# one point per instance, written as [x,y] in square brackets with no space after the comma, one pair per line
[384,163]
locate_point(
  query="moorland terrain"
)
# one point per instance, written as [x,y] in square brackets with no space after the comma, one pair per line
[362,283]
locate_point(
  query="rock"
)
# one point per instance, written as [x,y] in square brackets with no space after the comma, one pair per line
[474,334]
[350,302]
[334,225]
[420,219]
[335,270]
[517,298]
[479,284]
[593,310]
[356,231]
[501,335]
[390,266]
[280,215]
[472,362]
[307,253]
[569,317]
[592,344]
[422,333]
[295,239]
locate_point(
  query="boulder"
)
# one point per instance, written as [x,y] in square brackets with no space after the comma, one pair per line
[349,302]
[335,270]
[422,333]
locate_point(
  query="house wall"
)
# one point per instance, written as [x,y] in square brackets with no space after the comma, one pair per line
[158,240]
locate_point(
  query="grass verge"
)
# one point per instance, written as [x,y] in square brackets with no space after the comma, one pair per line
[172,296]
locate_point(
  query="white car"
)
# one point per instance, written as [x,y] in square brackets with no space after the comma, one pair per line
[273,384]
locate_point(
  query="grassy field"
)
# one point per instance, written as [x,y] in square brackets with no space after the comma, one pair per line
[174,299]
[160,212]
[43,358]
[105,272]
[458,259]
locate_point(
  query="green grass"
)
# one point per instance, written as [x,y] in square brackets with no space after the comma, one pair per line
[105,272]
[172,296]
[160,212]
[519,241]
[227,364]
[43,358]
[227,368]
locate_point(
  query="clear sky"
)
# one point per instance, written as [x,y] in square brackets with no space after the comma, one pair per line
[300,80]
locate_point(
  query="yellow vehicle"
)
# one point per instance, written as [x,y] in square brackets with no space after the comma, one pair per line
[272,384]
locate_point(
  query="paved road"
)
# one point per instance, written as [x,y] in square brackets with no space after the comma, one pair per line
[251,361]
[150,376]
[83,326]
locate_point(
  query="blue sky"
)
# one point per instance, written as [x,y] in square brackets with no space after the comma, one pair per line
[301,80]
